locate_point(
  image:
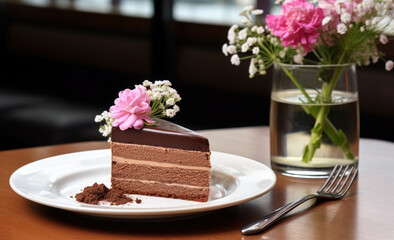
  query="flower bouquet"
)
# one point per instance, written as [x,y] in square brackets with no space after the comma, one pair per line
[140,106]
[327,34]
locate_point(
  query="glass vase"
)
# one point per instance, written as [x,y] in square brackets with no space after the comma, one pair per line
[314,119]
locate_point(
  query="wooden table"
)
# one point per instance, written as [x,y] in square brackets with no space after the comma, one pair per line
[366,212]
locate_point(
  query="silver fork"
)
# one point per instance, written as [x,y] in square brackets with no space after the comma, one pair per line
[334,188]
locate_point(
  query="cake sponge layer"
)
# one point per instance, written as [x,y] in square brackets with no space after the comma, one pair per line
[153,188]
[166,174]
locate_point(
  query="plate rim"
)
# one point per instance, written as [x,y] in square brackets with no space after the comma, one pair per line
[120,211]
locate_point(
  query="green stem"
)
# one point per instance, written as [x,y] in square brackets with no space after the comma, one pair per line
[338,137]
[316,134]
[298,85]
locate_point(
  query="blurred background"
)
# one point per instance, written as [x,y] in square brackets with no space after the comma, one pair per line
[64,61]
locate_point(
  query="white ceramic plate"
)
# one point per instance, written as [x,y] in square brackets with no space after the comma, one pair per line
[51,182]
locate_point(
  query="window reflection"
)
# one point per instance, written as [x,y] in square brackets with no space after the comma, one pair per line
[223,12]
[103,6]
[137,8]
[42,3]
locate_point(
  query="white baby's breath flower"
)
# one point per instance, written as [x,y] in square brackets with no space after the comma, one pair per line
[170,113]
[176,97]
[176,108]
[346,17]
[156,96]
[379,7]
[232,49]
[246,10]
[106,115]
[298,58]
[252,68]
[233,27]
[167,83]
[243,34]
[375,58]
[274,41]
[107,131]
[245,20]
[376,20]
[263,72]
[257,12]
[341,28]
[368,4]
[362,29]
[231,35]
[147,83]
[383,39]
[301,51]
[98,118]
[261,65]
[235,60]
[282,54]
[260,30]
[255,50]
[170,101]
[326,20]
[251,40]
[254,28]
[224,49]
[245,47]
[389,65]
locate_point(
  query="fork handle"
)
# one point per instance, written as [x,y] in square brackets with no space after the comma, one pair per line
[266,221]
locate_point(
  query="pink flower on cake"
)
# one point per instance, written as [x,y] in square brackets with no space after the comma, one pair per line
[131,109]
[298,24]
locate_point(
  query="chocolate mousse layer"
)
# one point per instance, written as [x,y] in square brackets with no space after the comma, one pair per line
[162,134]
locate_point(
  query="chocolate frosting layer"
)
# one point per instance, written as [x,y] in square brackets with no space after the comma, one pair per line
[162,134]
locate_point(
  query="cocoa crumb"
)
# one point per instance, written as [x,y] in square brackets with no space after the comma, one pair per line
[137,200]
[99,192]
[117,197]
[92,194]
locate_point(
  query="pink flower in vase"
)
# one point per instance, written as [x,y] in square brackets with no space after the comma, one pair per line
[131,109]
[298,24]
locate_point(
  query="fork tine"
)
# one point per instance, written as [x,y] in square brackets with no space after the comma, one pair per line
[346,179]
[350,182]
[328,179]
[340,179]
[335,178]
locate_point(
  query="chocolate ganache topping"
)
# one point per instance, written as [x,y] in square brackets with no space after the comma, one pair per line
[162,134]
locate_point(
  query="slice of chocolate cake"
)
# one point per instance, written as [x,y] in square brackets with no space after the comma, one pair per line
[163,160]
